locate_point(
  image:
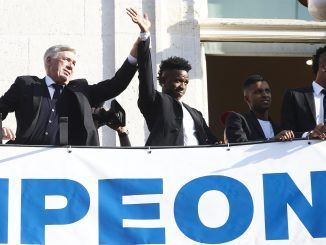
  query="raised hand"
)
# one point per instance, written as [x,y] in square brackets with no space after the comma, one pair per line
[142,21]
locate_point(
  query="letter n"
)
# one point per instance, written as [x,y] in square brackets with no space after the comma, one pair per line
[280,192]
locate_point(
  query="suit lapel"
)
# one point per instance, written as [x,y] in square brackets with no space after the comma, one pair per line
[256,126]
[193,115]
[200,134]
[309,95]
[38,93]
[85,110]
[276,127]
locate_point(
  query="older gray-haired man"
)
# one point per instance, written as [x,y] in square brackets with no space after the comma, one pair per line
[38,103]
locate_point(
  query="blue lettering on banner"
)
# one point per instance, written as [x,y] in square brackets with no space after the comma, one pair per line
[34,216]
[280,191]
[186,209]
[112,211]
[4,210]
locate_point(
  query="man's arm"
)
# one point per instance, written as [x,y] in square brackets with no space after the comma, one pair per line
[234,128]
[123,136]
[9,101]
[147,92]
[289,119]
[211,138]
[111,88]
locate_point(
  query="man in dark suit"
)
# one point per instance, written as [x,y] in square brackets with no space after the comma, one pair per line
[39,103]
[170,121]
[256,124]
[303,109]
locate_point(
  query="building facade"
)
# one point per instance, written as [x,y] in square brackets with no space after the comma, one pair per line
[197,30]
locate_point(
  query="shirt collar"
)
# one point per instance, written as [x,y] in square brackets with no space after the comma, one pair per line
[180,100]
[317,88]
[49,81]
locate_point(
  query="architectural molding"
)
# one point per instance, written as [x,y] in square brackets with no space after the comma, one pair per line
[262,30]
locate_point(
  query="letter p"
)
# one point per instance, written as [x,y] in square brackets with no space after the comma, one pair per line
[34,215]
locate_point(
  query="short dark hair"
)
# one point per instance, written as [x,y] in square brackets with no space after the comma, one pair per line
[173,63]
[252,79]
[315,59]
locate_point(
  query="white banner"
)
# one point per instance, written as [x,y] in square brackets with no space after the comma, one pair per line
[272,193]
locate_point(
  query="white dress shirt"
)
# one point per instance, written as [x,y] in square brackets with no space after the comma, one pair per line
[319,106]
[189,129]
[267,128]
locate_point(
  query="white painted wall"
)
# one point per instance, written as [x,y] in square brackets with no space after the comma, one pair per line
[103,35]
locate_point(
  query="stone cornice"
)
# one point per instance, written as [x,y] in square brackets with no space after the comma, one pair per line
[262,30]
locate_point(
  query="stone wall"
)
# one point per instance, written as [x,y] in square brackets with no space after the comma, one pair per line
[103,35]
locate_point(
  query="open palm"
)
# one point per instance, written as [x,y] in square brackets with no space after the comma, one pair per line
[142,21]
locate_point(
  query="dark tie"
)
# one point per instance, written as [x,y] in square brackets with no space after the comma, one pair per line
[57,90]
[324,104]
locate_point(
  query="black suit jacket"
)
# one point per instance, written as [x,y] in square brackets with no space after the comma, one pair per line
[25,96]
[298,110]
[163,114]
[245,127]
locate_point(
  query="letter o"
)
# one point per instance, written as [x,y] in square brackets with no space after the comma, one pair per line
[186,209]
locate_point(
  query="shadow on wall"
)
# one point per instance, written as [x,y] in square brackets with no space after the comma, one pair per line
[184,39]
[108,60]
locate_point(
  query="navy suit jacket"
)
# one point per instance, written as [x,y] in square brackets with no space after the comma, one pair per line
[245,127]
[298,110]
[25,96]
